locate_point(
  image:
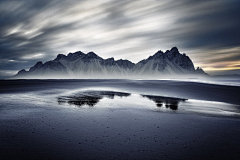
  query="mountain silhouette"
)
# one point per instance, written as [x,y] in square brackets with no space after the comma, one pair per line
[90,65]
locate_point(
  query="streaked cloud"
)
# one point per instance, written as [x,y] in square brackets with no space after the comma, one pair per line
[207,31]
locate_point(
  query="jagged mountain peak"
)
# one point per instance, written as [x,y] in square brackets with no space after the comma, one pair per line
[109,59]
[174,49]
[125,63]
[172,53]
[124,60]
[92,54]
[90,65]
[22,71]
[59,56]
[38,63]
[70,56]
[200,71]
[36,66]
[75,55]
[157,55]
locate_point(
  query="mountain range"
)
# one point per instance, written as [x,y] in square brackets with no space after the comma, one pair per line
[80,65]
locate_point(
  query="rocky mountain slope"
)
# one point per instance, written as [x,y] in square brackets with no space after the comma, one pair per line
[90,65]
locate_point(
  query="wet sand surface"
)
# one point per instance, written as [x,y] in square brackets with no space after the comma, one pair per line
[113,121]
[171,88]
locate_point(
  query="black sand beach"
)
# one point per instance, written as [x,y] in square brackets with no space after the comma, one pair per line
[118,119]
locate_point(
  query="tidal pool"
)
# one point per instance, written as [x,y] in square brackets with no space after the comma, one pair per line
[123,100]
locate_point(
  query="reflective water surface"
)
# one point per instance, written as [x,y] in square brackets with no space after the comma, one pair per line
[124,100]
[110,98]
[90,98]
[169,102]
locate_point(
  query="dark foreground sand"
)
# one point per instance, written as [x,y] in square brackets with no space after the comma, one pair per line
[33,125]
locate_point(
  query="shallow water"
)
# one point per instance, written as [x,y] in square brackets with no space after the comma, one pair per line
[119,100]
[110,98]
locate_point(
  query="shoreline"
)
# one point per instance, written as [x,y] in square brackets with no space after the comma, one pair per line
[179,89]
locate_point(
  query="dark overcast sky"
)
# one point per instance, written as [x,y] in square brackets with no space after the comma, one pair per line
[38,30]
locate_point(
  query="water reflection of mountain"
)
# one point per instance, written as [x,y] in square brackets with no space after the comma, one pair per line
[169,102]
[90,98]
